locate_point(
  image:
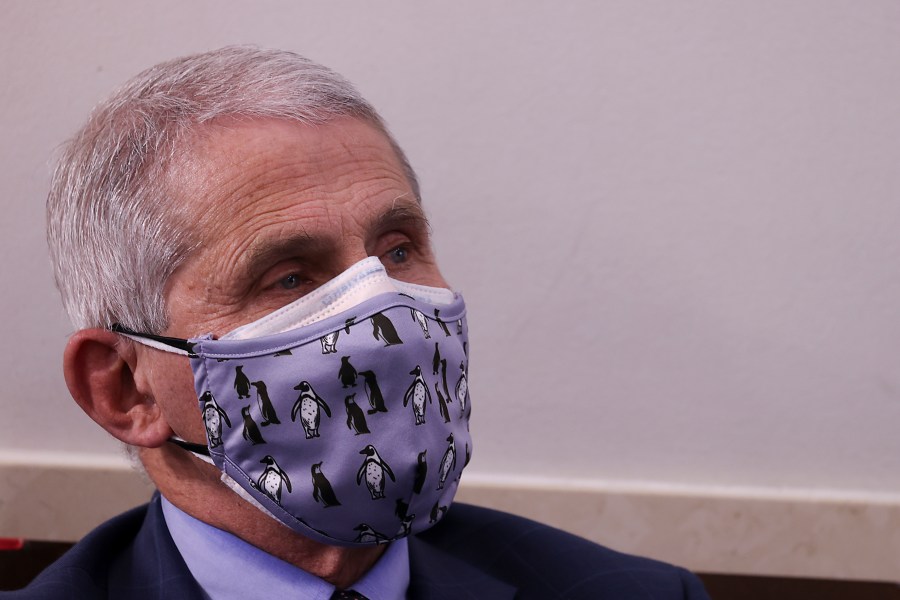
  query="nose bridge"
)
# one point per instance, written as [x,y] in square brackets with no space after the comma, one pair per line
[352,256]
[350,251]
[351,234]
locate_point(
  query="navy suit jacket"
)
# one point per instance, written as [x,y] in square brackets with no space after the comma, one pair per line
[472,553]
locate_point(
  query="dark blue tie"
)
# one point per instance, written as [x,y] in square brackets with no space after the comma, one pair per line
[347,595]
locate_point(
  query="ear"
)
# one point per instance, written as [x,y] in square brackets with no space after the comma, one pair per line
[99,368]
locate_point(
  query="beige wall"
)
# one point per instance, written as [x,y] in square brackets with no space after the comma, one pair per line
[675,224]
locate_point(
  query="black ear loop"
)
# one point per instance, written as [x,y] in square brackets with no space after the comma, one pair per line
[179,343]
[190,446]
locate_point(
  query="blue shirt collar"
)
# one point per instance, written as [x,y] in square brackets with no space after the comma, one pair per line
[227,567]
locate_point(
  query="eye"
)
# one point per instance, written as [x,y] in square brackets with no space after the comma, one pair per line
[290,282]
[398,255]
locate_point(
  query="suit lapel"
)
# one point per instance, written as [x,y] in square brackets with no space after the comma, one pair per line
[152,568]
[438,575]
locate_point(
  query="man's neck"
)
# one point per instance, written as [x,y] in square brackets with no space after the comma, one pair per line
[195,488]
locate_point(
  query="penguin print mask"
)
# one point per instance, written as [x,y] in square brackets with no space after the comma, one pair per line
[344,415]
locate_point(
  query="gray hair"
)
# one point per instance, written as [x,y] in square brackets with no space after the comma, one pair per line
[112,226]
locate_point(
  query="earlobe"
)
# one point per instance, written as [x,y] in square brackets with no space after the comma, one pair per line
[99,368]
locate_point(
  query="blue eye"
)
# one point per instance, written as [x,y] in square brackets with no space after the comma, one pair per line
[290,282]
[399,254]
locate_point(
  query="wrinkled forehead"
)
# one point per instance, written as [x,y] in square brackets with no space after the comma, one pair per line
[226,165]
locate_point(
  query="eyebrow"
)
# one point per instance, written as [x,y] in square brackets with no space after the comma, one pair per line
[402,212]
[265,252]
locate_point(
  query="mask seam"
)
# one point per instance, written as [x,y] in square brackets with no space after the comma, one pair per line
[219,451]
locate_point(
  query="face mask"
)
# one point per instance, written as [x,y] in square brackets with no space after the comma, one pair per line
[344,415]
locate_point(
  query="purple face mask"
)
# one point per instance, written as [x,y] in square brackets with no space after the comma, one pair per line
[351,428]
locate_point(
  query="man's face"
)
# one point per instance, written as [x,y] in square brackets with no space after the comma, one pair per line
[279,209]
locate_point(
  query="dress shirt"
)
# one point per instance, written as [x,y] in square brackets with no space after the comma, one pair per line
[228,568]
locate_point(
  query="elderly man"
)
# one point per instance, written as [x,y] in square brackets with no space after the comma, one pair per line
[241,245]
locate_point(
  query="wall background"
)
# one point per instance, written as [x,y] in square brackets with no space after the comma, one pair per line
[676,224]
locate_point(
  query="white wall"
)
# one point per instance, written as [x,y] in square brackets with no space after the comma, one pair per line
[677,225]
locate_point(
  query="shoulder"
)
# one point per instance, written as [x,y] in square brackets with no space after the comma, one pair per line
[82,568]
[544,562]
[121,558]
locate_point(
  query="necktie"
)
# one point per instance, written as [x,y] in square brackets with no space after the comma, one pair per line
[347,595]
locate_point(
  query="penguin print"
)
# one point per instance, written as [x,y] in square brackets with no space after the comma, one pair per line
[448,463]
[367,535]
[251,431]
[272,479]
[468,457]
[322,490]
[459,327]
[406,519]
[442,404]
[373,469]
[265,404]
[285,352]
[376,400]
[308,405]
[437,511]
[356,419]
[444,380]
[241,383]
[401,509]
[405,526]
[348,323]
[462,388]
[329,342]
[384,330]
[418,393]
[213,415]
[419,318]
[421,472]
[347,374]
[436,361]
[443,325]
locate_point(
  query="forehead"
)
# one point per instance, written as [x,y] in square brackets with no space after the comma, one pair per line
[234,166]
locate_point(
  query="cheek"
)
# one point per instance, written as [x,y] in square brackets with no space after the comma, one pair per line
[418,271]
[194,303]
[431,276]
[172,383]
